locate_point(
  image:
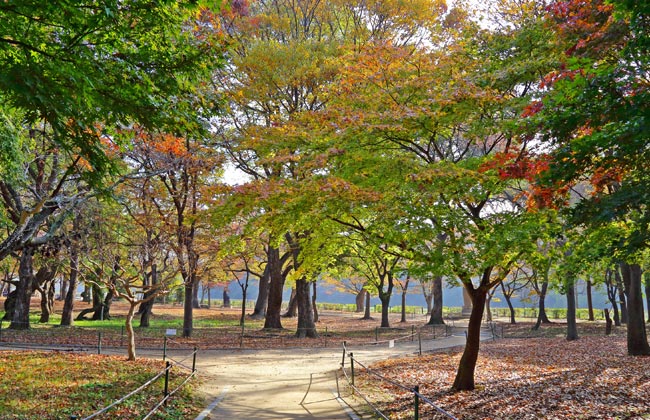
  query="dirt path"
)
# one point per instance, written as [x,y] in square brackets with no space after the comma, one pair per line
[270,384]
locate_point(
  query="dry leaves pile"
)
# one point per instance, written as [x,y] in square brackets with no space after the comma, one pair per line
[592,378]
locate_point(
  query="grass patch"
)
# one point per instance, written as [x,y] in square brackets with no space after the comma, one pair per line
[43,385]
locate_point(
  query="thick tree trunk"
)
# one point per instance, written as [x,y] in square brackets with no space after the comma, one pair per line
[273,319]
[244,294]
[262,296]
[10,305]
[313,303]
[226,298]
[436,310]
[146,307]
[403,318]
[608,322]
[465,376]
[24,289]
[292,307]
[366,313]
[306,327]
[86,295]
[47,301]
[385,302]
[196,303]
[590,304]
[572,328]
[360,300]
[188,309]
[637,340]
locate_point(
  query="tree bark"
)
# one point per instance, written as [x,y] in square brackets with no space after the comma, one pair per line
[621,296]
[292,307]
[188,309]
[146,307]
[542,318]
[608,322]
[637,340]
[64,290]
[647,293]
[590,304]
[403,317]
[611,294]
[273,319]
[572,328]
[226,298]
[509,302]
[262,295]
[306,326]
[360,300]
[24,290]
[436,310]
[464,380]
[196,303]
[313,303]
[366,313]
[130,335]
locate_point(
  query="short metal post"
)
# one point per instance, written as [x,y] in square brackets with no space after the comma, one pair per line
[352,367]
[194,360]
[164,348]
[420,342]
[416,414]
[166,390]
[343,360]
[99,342]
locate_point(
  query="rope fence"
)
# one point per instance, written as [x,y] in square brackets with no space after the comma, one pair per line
[166,393]
[415,390]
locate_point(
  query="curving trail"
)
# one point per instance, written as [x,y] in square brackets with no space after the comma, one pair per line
[270,384]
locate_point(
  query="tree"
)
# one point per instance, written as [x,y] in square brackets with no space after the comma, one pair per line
[592,116]
[80,72]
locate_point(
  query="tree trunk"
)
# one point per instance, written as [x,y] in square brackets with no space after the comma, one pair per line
[637,340]
[590,304]
[572,328]
[262,295]
[360,299]
[647,293]
[608,322]
[64,290]
[385,302]
[403,318]
[146,307]
[86,295]
[130,335]
[292,307]
[436,311]
[196,304]
[621,296]
[226,298]
[274,308]
[24,289]
[188,309]
[244,292]
[313,302]
[509,302]
[306,327]
[427,293]
[541,316]
[366,313]
[465,376]
[10,305]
